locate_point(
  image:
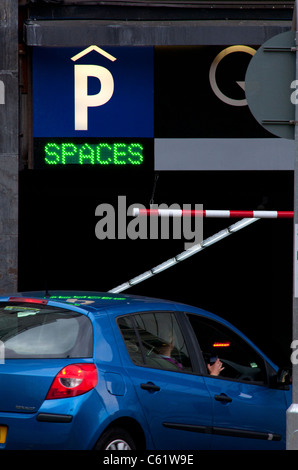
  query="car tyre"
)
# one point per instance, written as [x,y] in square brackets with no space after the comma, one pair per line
[116,439]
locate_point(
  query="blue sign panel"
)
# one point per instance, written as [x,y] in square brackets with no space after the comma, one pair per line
[93,92]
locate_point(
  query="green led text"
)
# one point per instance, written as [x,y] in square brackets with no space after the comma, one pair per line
[118,153]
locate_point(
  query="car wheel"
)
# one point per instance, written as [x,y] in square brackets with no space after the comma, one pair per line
[116,439]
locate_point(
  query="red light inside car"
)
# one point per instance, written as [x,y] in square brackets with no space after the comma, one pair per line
[221,345]
[29,300]
[73,380]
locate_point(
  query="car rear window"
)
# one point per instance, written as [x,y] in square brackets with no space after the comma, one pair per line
[43,331]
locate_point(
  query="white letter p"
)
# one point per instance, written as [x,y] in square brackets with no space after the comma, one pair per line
[82,100]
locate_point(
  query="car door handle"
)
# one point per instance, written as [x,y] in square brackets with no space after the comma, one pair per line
[223,398]
[151,387]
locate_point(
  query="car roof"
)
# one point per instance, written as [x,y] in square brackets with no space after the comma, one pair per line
[90,301]
[96,302]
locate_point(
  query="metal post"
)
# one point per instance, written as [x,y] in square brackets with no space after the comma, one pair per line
[9,136]
[292,412]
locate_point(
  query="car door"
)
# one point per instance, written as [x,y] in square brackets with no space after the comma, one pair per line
[175,400]
[247,413]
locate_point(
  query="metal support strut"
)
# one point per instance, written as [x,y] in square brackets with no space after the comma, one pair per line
[185,254]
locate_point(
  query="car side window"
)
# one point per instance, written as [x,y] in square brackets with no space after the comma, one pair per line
[239,359]
[155,339]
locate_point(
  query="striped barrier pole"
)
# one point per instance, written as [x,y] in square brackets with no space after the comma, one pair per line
[213,213]
[186,254]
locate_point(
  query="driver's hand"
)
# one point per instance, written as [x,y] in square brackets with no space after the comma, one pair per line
[216,368]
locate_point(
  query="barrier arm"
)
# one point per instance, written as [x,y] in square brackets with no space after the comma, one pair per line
[186,254]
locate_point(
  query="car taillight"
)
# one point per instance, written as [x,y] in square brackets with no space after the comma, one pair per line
[29,300]
[73,380]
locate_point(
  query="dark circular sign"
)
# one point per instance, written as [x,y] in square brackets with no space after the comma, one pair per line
[269,83]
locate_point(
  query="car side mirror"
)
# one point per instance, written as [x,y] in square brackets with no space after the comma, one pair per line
[282,379]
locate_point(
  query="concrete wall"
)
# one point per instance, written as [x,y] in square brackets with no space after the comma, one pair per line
[9,136]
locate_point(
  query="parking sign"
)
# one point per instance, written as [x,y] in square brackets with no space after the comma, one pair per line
[93,92]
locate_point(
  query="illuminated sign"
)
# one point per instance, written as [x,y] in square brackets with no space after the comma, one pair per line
[96,106]
[105,153]
[93,92]
[68,153]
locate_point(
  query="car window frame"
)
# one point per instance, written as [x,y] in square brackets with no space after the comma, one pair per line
[54,309]
[179,316]
[203,366]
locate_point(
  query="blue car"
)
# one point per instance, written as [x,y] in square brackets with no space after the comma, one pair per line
[109,372]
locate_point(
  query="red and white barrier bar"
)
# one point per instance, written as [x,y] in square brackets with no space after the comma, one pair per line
[186,254]
[213,213]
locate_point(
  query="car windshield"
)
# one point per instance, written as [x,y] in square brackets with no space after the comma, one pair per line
[41,331]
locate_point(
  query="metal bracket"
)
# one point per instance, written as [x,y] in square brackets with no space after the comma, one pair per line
[281,49]
[278,121]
